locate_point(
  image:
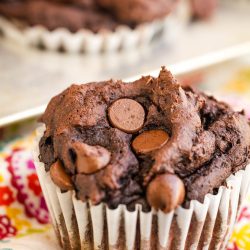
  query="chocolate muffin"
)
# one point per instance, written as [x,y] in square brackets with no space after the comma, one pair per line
[138,11]
[57,14]
[94,15]
[148,142]
[203,8]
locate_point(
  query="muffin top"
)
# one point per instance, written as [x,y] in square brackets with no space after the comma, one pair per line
[95,15]
[147,142]
[138,11]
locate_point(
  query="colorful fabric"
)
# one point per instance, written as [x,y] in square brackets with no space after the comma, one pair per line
[23,211]
[240,239]
[236,91]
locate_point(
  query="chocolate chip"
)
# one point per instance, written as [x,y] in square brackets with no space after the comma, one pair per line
[90,159]
[149,141]
[60,177]
[126,115]
[165,192]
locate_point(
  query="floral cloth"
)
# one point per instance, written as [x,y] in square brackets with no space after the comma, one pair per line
[23,211]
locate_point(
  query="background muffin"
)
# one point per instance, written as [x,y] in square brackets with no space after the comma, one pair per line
[203,8]
[138,11]
[106,26]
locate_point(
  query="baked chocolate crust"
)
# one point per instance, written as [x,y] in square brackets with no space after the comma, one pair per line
[138,11]
[53,15]
[208,141]
[85,14]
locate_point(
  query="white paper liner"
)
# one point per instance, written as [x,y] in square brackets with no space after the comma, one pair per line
[206,225]
[88,42]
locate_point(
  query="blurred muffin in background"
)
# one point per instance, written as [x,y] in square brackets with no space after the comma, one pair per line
[203,8]
[138,11]
[101,24]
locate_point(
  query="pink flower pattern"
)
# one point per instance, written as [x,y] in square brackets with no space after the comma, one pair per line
[25,181]
[6,229]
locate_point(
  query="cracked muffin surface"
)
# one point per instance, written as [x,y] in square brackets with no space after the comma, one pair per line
[148,142]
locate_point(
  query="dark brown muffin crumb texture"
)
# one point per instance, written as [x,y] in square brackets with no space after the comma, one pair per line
[208,141]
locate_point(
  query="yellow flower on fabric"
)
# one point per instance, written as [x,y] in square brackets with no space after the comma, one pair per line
[2,155]
[14,214]
[18,144]
[241,236]
[25,143]
[240,83]
[1,178]
[24,227]
[248,198]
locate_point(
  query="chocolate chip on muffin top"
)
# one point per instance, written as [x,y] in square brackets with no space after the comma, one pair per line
[126,115]
[149,142]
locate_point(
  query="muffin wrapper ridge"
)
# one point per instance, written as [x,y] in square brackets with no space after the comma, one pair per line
[86,41]
[80,225]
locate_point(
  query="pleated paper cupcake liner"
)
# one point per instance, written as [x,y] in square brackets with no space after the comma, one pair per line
[86,41]
[207,225]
